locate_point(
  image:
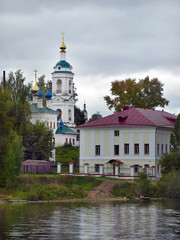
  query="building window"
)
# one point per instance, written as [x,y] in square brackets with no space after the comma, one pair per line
[54,125]
[69,114]
[66,140]
[97,150]
[146,148]
[59,86]
[158,150]
[116,149]
[50,124]
[162,148]
[166,148]
[126,148]
[116,133]
[96,168]
[70,86]
[53,141]
[73,141]
[70,141]
[136,168]
[136,148]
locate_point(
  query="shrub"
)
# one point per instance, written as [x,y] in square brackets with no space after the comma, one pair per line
[170,184]
[125,189]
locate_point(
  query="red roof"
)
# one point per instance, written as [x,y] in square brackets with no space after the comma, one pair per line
[135,117]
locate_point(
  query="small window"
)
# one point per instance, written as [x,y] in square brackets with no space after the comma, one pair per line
[54,125]
[136,148]
[166,148]
[96,168]
[116,133]
[50,124]
[162,148]
[116,149]
[59,67]
[136,168]
[97,150]
[146,148]
[158,150]
[126,148]
[73,141]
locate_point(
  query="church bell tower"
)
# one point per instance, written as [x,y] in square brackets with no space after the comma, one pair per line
[62,89]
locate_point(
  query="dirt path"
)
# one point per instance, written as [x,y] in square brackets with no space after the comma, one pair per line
[103,191]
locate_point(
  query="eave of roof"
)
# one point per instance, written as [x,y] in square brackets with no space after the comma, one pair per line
[35,109]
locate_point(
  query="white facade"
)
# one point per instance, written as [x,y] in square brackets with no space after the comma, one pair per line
[60,104]
[134,148]
[62,89]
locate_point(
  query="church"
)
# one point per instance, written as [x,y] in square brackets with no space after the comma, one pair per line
[58,113]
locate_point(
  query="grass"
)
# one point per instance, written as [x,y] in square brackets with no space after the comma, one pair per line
[49,187]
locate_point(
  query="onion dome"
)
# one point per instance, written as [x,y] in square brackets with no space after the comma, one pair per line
[63,64]
[35,89]
[48,95]
[63,47]
[39,93]
[61,123]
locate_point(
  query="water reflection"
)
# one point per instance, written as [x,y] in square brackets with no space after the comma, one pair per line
[91,220]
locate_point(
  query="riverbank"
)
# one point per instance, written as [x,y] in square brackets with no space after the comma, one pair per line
[63,188]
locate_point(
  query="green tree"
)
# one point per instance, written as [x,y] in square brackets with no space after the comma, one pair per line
[19,108]
[144,93]
[11,153]
[95,116]
[175,135]
[170,162]
[38,141]
[79,117]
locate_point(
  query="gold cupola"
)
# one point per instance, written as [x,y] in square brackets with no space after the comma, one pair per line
[63,46]
[35,89]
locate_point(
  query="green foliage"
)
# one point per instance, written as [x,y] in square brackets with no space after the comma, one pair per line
[170,184]
[125,189]
[175,135]
[170,162]
[10,145]
[144,93]
[67,154]
[19,108]
[38,141]
[145,186]
[95,116]
[41,187]
[79,117]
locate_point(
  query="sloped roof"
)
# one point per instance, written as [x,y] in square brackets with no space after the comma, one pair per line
[135,117]
[35,109]
[66,130]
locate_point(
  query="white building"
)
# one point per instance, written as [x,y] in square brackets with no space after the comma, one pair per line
[59,110]
[127,142]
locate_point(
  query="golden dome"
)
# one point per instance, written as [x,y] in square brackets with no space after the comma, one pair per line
[35,89]
[63,46]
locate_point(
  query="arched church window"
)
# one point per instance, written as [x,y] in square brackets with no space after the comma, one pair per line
[70,86]
[59,86]
[69,115]
[59,114]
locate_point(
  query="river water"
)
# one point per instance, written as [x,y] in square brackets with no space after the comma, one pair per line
[91,220]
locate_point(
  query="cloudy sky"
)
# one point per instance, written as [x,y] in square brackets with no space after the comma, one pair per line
[106,40]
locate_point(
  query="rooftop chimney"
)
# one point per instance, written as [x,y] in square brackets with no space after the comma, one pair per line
[125,107]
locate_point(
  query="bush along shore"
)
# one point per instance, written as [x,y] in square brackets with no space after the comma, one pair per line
[56,187]
[48,187]
[167,187]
